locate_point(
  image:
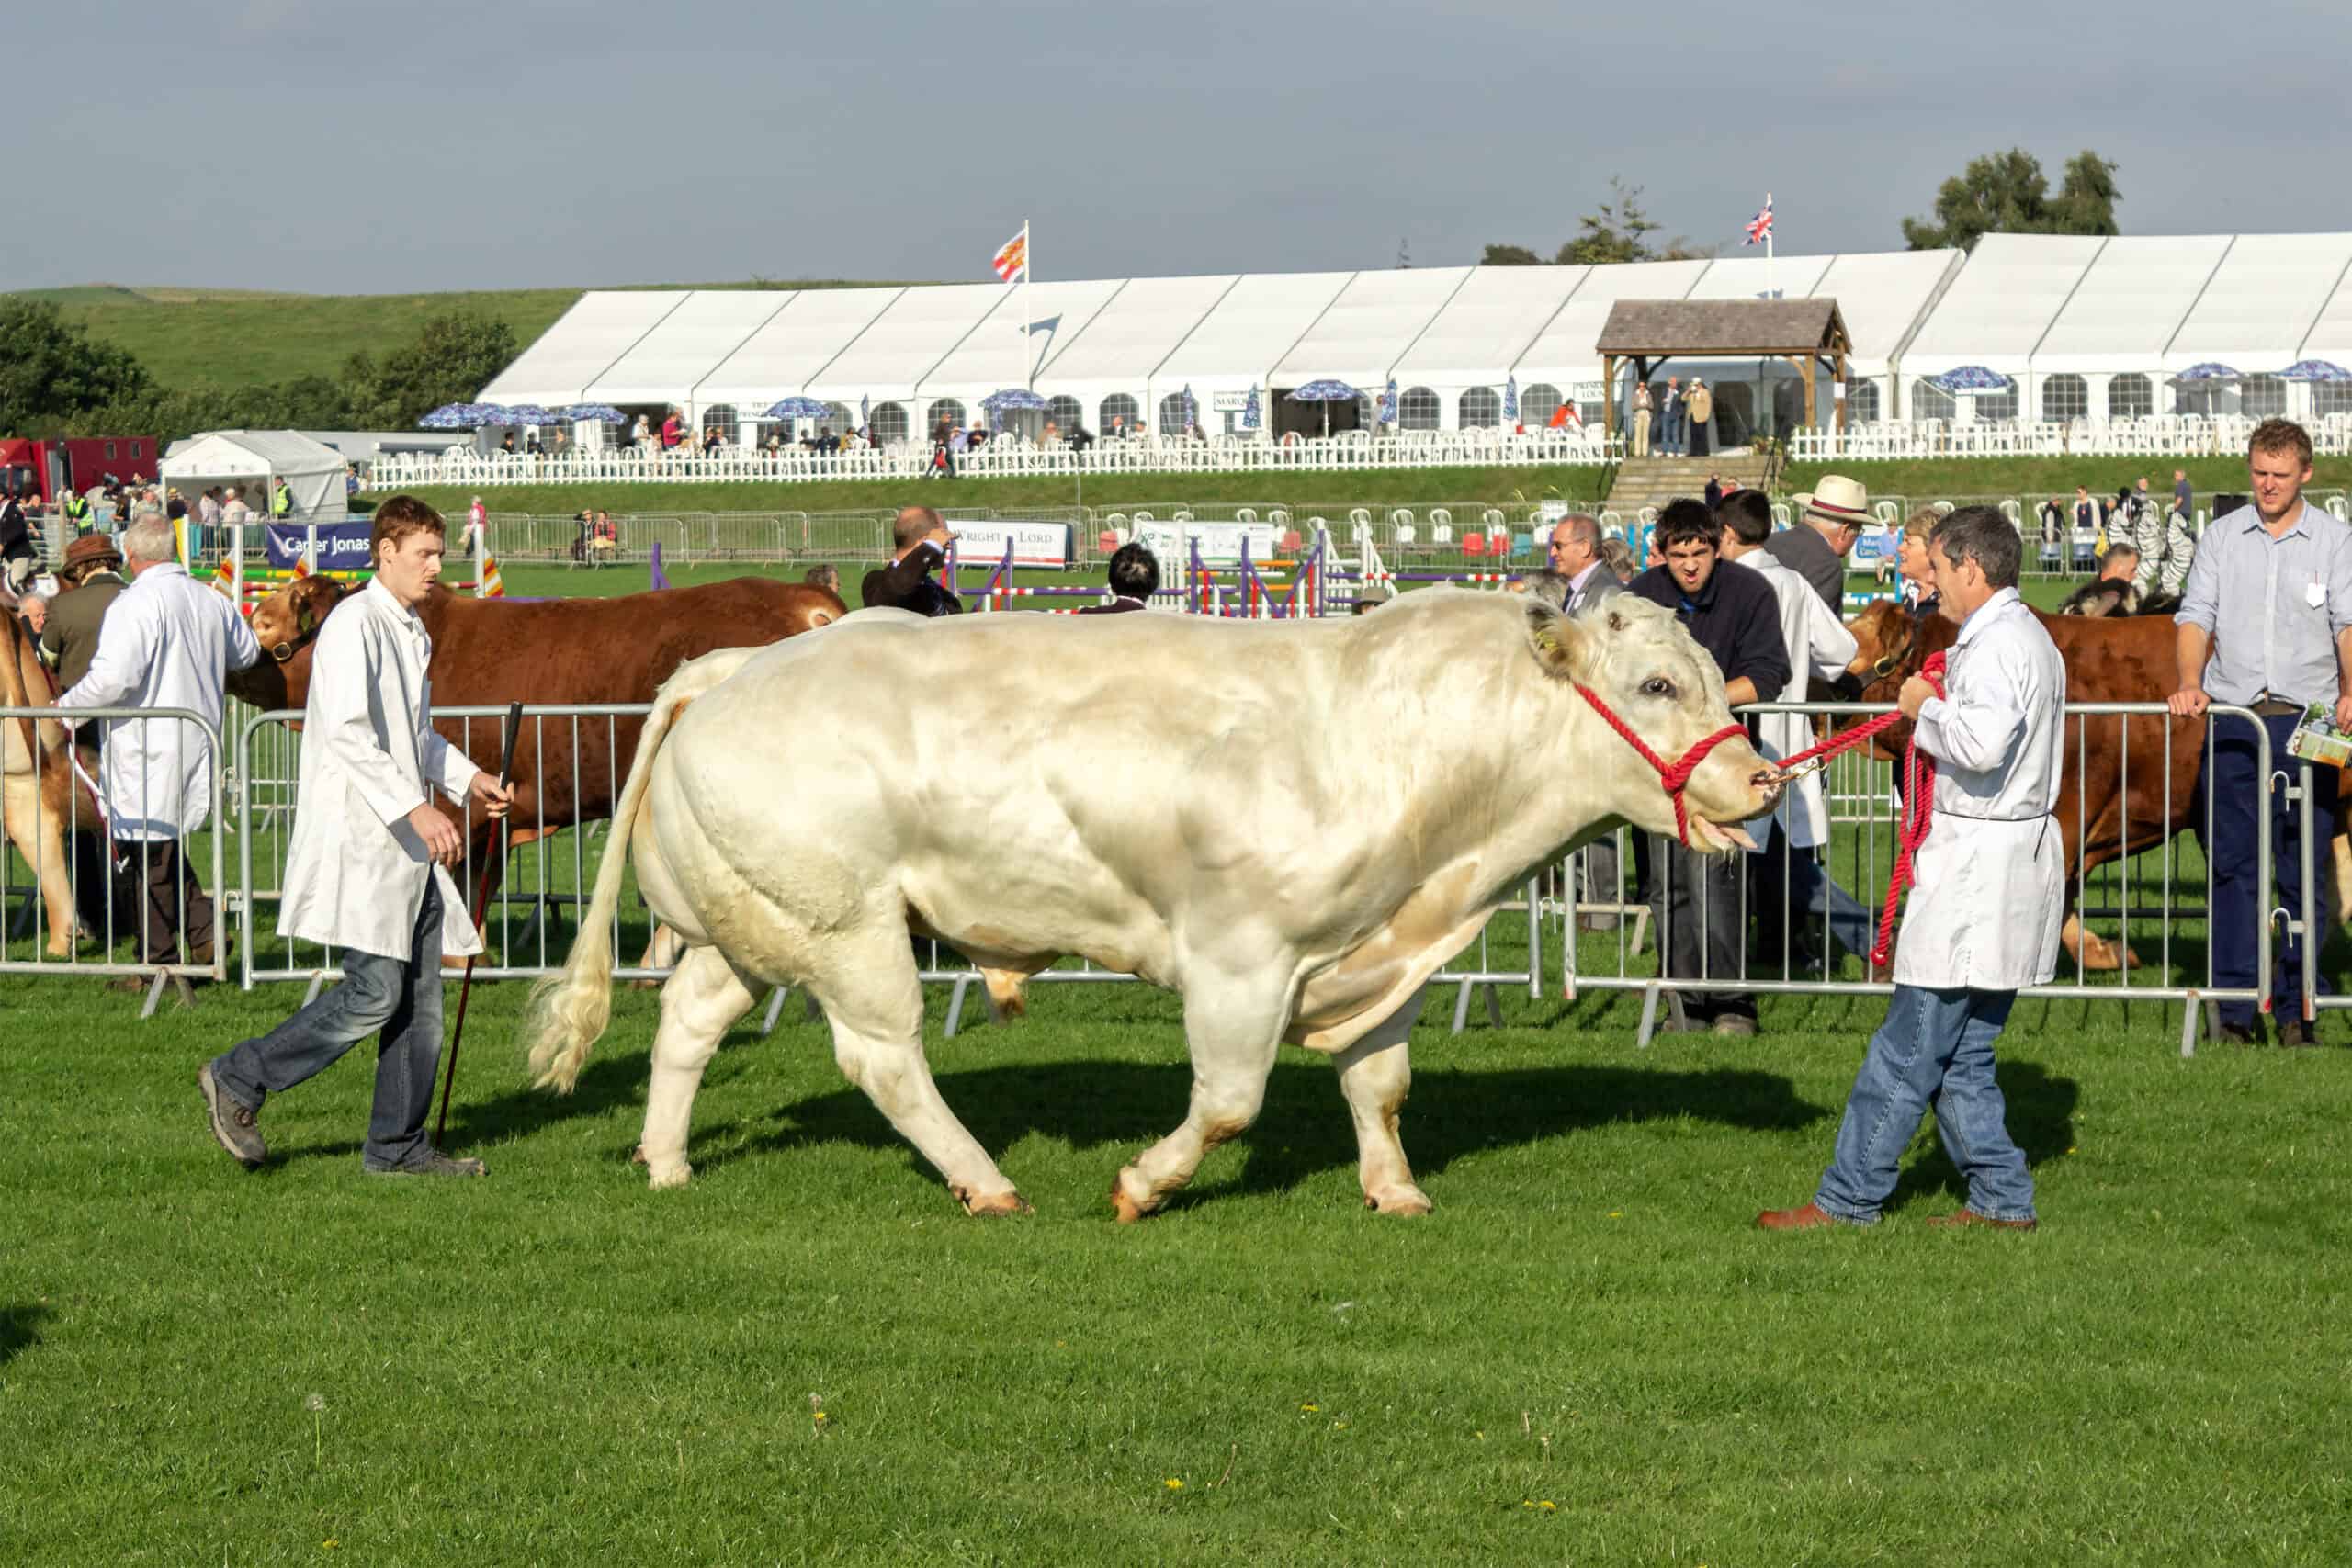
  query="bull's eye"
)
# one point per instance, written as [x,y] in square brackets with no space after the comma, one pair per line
[1658,686]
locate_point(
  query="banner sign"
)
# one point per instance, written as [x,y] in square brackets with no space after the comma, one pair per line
[1033,544]
[343,546]
[1220,544]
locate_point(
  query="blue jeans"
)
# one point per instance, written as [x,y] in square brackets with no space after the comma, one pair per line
[2232,785]
[400,998]
[1670,432]
[1935,1049]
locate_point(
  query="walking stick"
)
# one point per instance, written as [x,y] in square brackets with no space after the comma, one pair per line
[481,904]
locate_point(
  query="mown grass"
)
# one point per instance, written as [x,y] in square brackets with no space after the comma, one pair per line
[235,336]
[1925,479]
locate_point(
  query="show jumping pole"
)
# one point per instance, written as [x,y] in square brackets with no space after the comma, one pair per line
[481,902]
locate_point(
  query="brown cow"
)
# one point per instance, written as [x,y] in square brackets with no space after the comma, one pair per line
[490,653]
[36,790]
[2103,815]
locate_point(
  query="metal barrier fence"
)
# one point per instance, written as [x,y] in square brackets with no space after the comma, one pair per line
[112,898]
[553,870]
[2123,894]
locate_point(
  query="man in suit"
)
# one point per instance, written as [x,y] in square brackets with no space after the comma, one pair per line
[1135,577]
[1575,553]
[1671,434]
[920,540]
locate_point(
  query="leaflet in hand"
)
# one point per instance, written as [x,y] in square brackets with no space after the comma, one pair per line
[2316,739]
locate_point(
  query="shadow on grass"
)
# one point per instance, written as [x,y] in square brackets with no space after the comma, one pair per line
[615,1079]
[2040,1118]
[20,1329]
[1304,1127]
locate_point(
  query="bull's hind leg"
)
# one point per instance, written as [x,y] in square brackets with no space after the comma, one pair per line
[37,830]
[874,1000]
[697,1004]
[1232,1033]
[1375,1074]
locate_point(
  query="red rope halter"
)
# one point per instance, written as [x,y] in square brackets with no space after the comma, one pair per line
[1676,778]
[1918,798]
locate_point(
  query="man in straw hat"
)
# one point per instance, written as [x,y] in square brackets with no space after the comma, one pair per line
[1829,519]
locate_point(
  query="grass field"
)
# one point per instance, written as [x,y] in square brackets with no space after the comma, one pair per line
[1418,489]
[235,336]
[1585,1354]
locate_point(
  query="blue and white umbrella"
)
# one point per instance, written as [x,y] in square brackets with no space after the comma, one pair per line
[864,420]
[2316,370]
[523,414]
[1972,378]
[1326,392]
[1191,409]
[603,413]
[1251,417]
[457,416]
[797,408]
[1389,403]
[1510,401]
[1011,398]
[2208,371]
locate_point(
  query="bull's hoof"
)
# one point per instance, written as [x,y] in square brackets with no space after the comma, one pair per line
[645,985]
[1400,1201]
[1127,1209]
[994,1206]
[661,1175]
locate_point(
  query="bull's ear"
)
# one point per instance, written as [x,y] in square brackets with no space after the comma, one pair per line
[1560,645]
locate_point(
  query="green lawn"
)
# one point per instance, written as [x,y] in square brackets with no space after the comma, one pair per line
[235,336]
[2042,477]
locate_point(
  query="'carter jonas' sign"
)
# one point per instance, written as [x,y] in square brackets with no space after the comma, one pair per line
[342,547]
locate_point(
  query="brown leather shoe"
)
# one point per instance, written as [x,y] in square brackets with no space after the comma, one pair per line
[1812,1217]
[1965,1217]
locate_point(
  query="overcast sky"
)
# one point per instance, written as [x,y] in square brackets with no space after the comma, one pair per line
[360,147]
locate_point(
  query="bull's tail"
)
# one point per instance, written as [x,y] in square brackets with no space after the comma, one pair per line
[570,1009]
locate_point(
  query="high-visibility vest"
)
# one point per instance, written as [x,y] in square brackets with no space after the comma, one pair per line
[281,501]
[77,512]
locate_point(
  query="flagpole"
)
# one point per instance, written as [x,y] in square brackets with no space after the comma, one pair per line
[1028,371]
[1770,291]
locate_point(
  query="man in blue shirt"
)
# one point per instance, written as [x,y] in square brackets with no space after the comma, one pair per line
[2277,575]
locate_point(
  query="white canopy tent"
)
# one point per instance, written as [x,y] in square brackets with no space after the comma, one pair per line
[1236,344]
[1363,334]
[1115,355]
[254,460]
[1484,329]
[599,329]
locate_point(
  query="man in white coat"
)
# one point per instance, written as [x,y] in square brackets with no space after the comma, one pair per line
[167,641]
[368,868]
[1985,903]
[1790,882]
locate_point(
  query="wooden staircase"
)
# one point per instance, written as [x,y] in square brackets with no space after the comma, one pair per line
[1654,481]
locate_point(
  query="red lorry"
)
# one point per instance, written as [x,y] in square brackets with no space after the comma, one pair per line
[45,468]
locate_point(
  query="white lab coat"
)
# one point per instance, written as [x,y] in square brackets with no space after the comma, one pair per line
[167,641]
[1989,892]
[355,870]
[1819,646]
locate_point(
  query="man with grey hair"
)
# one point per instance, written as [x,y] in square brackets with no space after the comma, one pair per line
[166,641]
[1987,899]
[1574,552]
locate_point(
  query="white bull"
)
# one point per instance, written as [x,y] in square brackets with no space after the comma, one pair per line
[1292,825]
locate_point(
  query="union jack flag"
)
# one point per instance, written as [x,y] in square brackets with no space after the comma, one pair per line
[1014,259]
[1760,227]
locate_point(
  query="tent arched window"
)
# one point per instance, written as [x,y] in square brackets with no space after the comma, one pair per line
[1417,409]
[838,419]
[1171,414]
[2130,396]
[1931,402]
[1119,409]
[889,420]
[1481,408]
[2262,397]
[720,417]
[1367,408]
[2331,396]
[1862,402]
[1992,407]
[1065,413]
[946,409]
[1537,404]
[2065,399]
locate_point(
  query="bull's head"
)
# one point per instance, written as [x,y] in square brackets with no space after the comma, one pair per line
[1646,669]
[287,619]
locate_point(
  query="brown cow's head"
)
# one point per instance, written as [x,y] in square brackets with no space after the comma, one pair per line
[286,623]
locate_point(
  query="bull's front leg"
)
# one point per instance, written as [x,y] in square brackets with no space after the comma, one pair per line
[1375,1074]
[1233,1030]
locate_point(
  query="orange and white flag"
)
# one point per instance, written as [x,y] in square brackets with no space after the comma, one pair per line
[491,585]
[301,564]
[1012,261]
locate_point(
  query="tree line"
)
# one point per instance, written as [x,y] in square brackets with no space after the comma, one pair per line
[56,380]
[2001,193]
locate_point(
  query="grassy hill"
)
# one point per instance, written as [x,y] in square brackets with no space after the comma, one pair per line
[240,336]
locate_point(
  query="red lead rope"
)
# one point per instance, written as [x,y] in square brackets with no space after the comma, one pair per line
[1918,784]
[1918,799]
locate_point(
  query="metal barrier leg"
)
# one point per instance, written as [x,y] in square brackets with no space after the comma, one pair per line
[776,1010]
[318,984]
[2191,1013]
[955,1003]
[1650,1016]
[155,994]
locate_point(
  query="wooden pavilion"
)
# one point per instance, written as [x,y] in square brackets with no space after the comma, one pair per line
[1808,334]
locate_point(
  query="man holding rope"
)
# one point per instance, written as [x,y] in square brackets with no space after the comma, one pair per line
[1987,901]
[366,869]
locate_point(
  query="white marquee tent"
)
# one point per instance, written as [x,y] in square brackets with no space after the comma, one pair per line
[2083,324]
[253,459]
